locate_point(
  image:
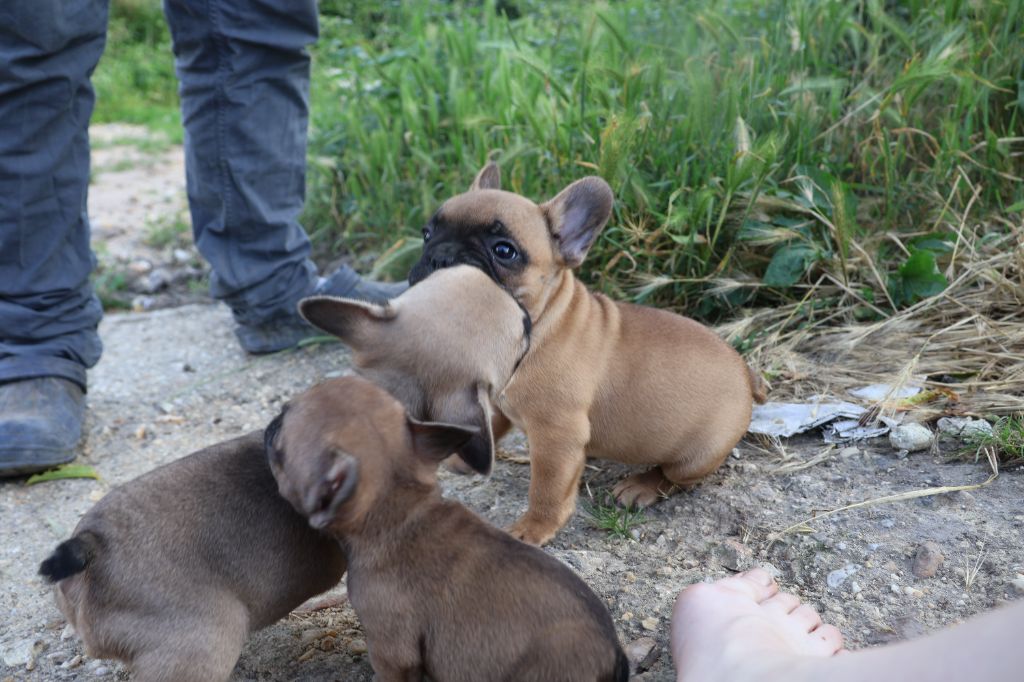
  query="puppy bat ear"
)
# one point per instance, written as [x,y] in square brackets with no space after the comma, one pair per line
[350,320]
[489,177]
[270,436]
[473,408]
[577,215]
[434,441]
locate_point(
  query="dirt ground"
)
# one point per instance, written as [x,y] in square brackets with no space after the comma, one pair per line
[173,380]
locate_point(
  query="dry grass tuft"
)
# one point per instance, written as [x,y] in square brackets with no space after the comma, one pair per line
[966,344]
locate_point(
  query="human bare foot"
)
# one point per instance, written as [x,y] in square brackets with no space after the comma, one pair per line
[742,629]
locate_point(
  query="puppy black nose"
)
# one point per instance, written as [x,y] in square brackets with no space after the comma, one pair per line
[434,258]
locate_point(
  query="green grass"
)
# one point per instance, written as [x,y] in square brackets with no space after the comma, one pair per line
[605,514]
[167,231]
[1006,440]
[755,148]
[135,80]
[746,140]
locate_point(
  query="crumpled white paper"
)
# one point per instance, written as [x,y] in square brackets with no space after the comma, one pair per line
[839,418]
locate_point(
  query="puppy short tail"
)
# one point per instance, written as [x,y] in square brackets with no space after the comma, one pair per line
[758,388]
[70,557]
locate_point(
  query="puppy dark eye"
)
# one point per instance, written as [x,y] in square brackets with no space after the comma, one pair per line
[426,234]
[504,251]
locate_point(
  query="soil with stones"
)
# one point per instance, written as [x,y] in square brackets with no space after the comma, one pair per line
[172,381]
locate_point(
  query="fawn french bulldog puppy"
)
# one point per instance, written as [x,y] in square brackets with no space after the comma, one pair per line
[439,592]
[170,572]
[444,348]
[606,379]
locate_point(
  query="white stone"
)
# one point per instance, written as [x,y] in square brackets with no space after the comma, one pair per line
[21,653]
[964,427]
[910,437]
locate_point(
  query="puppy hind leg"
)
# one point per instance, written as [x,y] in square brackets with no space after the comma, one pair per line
[197,652]
[643,489]
[690,471]
[570,652]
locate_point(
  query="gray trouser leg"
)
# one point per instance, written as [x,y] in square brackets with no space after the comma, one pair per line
[244,73]
[48,312]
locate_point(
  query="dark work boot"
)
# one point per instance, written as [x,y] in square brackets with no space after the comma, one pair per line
[286,331]
[40,424]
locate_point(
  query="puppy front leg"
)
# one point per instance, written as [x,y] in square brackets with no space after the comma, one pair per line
[557,457]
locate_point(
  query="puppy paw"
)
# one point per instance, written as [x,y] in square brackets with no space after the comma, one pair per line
[531,532]
[643,490]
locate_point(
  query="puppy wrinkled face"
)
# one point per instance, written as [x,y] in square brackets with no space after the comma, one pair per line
[526,248]
[501,233]
[487,244]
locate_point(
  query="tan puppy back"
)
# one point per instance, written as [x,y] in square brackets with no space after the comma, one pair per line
[601,378]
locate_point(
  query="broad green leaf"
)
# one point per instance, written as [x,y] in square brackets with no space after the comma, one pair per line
[918,278]
[788,265]
[936,242]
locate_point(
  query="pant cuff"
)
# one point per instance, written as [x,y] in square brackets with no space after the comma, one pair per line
[20,367]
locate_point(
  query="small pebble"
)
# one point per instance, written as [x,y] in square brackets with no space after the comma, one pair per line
[927,560]
[912,591]
[101,671]
[911,437]
[357,646]
[855,587]
[641,653]
[649,624]
[839,576]
[1018,584]
[733,555]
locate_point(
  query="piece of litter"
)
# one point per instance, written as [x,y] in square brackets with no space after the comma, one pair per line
[848,430]
[788,419]
[876,392]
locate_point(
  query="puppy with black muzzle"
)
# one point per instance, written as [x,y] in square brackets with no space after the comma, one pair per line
[170,572]
[445,348]
[606,379]
[439,592]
